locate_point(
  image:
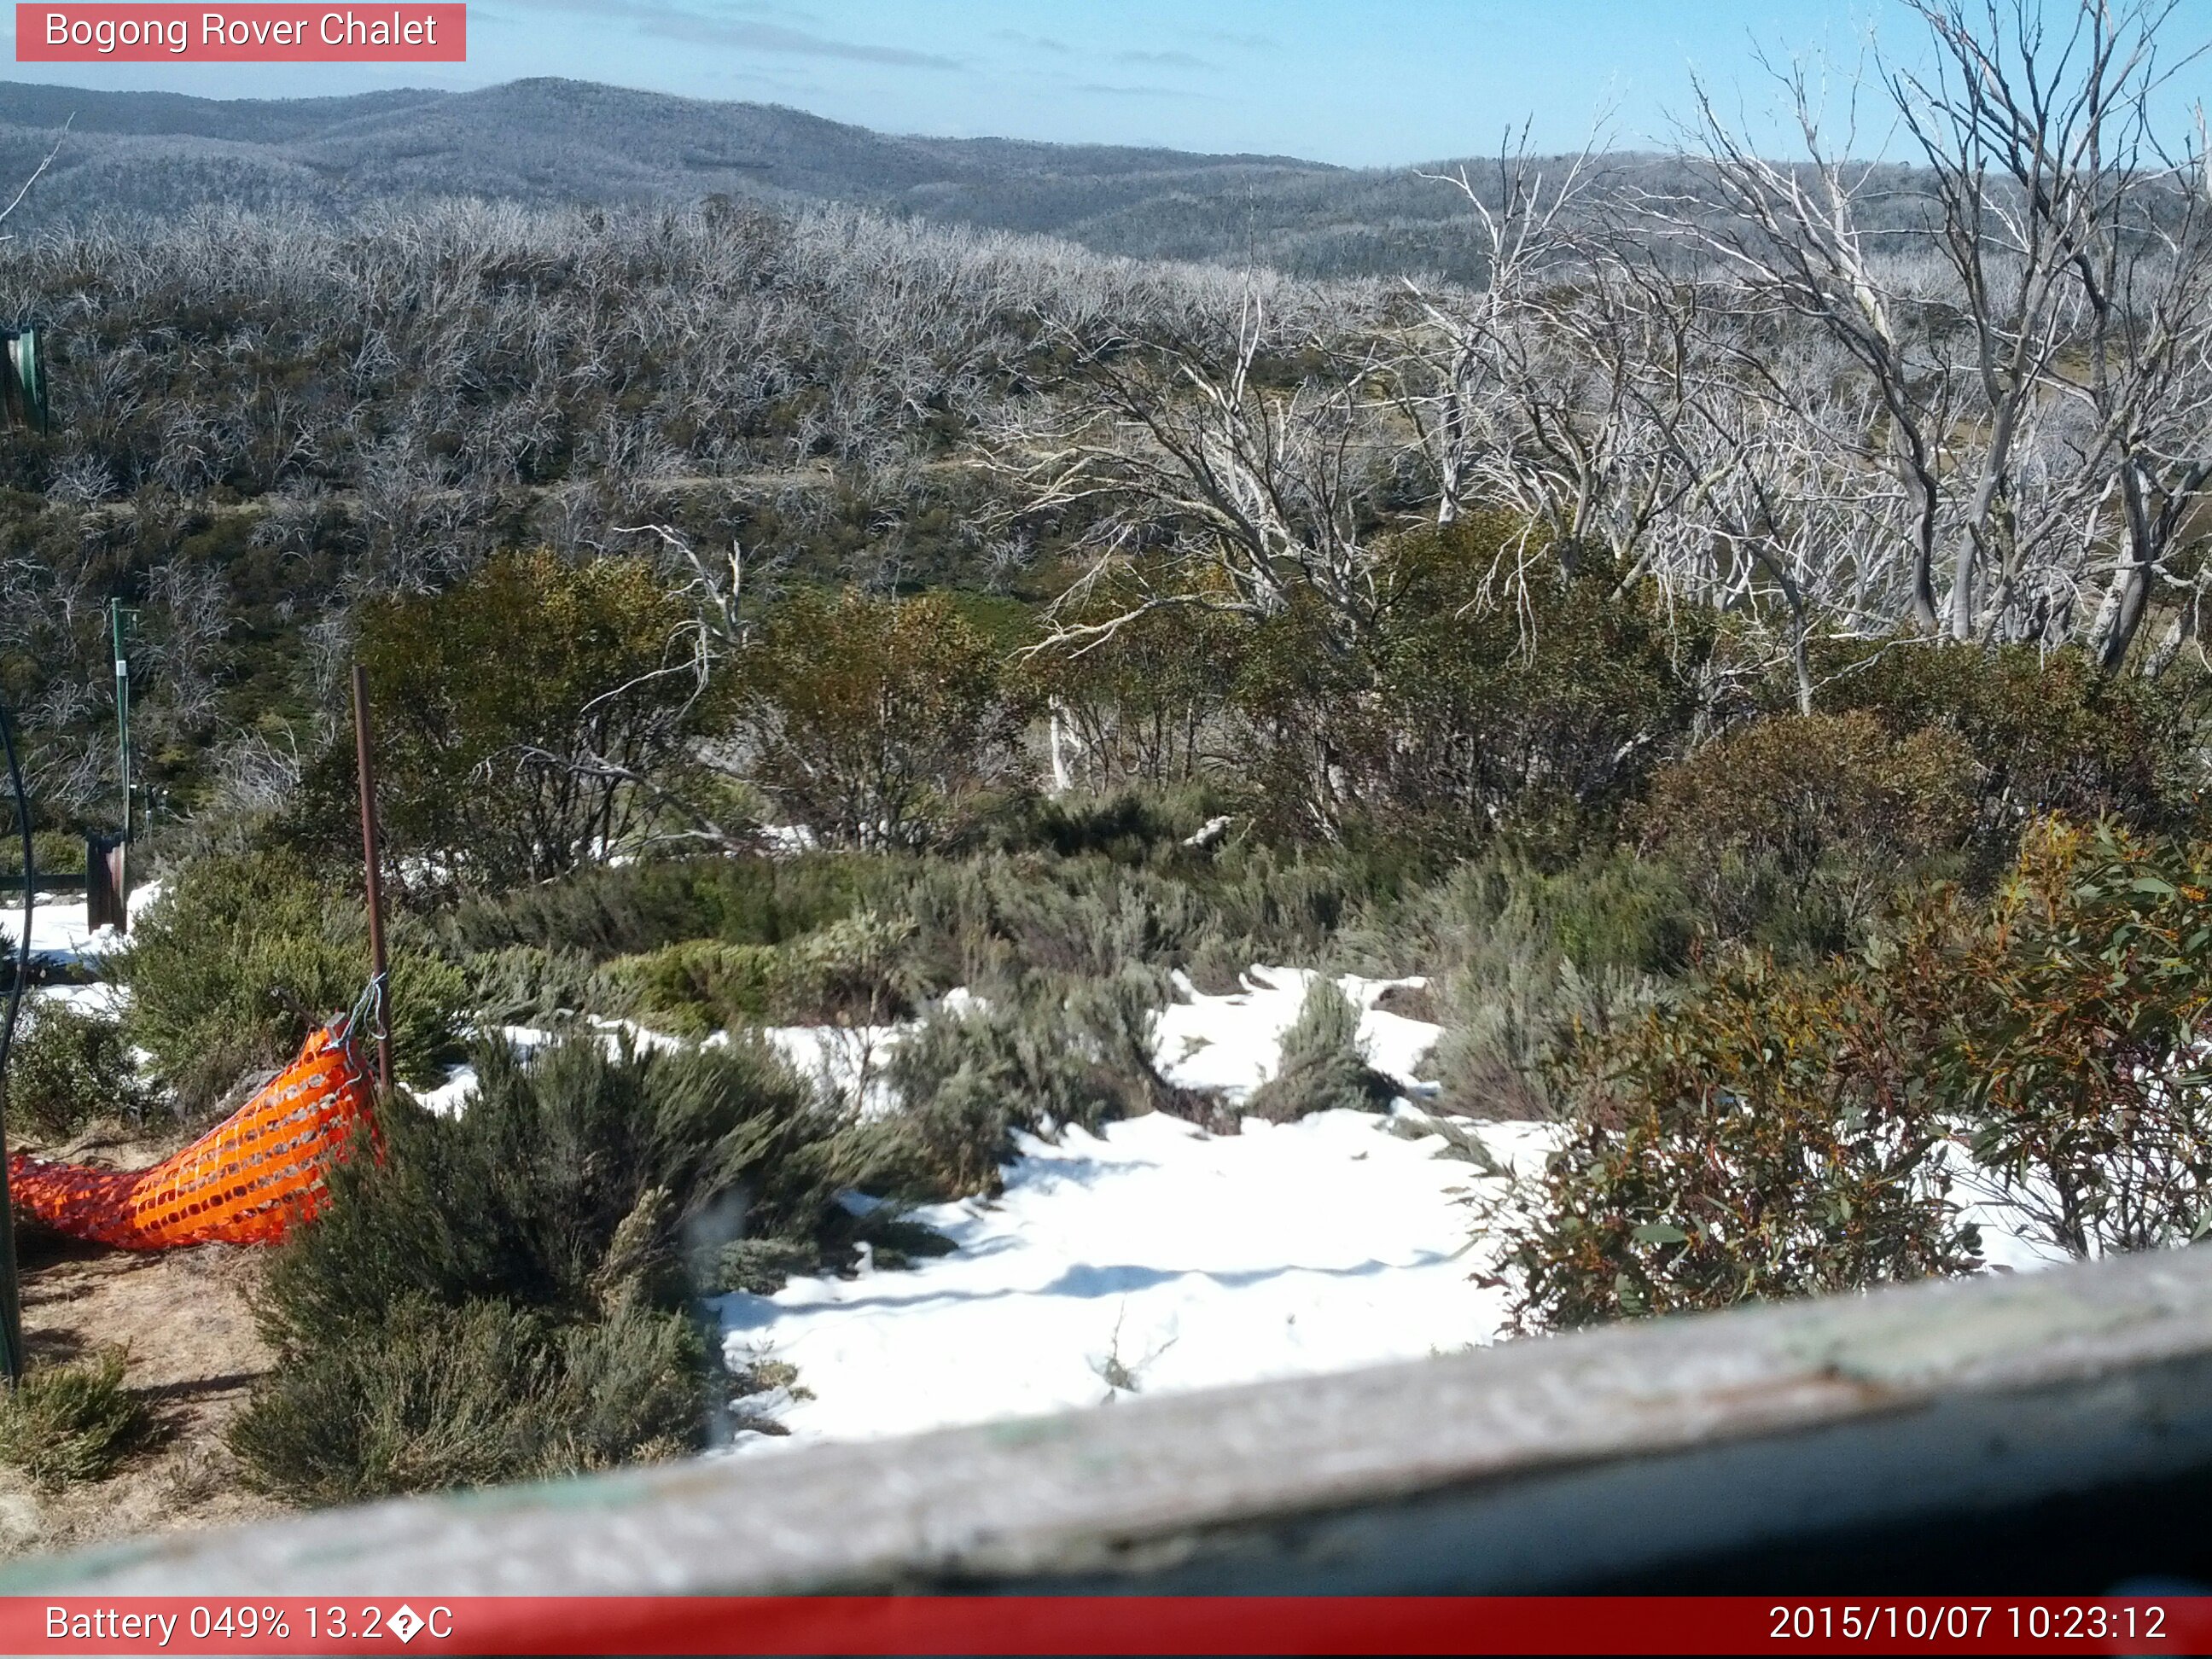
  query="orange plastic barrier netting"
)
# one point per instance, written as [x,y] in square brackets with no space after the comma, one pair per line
[250,1180]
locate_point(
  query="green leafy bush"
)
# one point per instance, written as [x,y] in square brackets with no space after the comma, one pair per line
[2078,1001]
[1053,1049]
[1771,1134]
[71,1422]
[477,1395]
[1130,825]
[1143,703]
[1469,705]
[502,1294]
[516,713]
[879,722]
[2047,730]
[1835,807]
[67,1068]
[605,911]
[1323,1066]
[1774,1131]
[242,957]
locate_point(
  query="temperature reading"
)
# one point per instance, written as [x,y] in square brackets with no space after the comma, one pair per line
[335,1621]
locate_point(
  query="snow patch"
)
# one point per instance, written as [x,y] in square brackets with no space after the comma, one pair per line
[58,930]
[1150,1258]
[1231,1044]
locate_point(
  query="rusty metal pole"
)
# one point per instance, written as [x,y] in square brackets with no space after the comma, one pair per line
[364,759]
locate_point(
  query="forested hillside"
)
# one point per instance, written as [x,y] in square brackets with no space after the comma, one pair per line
[560,143]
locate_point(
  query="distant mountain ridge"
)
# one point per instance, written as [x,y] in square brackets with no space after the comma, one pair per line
[548,141]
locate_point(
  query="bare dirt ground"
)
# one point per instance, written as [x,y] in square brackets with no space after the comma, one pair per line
[191,1356]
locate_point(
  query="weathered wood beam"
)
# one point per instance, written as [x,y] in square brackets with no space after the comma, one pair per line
[1541,1465]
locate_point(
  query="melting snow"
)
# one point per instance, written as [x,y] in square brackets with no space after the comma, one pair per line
[59,931]
[1234,1043]
[1154,1256]
[60,936]
[1150,1258]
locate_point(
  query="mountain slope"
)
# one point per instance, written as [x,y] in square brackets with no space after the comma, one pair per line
[566,140]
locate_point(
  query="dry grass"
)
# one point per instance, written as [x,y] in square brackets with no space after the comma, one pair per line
[193,1357]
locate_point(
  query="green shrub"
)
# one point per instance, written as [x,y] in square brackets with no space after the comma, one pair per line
[987,922]
[502,1294]
[1834,806]
[1509,1025]
[1774,1130]
[853,971]
[757,1266]
[70,1422]
[1140,704]
[1768,1135]
[857,970]
[242,957]
[605,911]
[2047,730]
[1133,825]
[1467,705]
[521,1196]
[1053,1049]
[879,722]
[1524,965]
[67,1068]
[863,940]
[2077,1000]
[477,1395]
[1611,909]
[529,985]
[515,712]
[54,852]
[699,986]
[1324,1065]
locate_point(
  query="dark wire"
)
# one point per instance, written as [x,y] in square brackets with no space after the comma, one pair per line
[23,976]
[11,1355]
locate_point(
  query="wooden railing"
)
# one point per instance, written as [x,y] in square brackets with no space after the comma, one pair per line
[1722,1450]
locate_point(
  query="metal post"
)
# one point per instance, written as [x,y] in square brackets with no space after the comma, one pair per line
[119,621]
[363,754]
[116,615]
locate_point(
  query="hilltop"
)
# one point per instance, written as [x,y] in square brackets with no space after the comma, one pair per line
[554,141]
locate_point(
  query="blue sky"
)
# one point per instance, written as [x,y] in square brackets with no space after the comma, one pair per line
[1361,82]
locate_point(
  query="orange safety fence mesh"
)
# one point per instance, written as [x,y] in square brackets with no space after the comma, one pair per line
[250,1180]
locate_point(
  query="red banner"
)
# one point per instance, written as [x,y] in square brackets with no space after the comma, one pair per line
[367,34]
[1104,1624]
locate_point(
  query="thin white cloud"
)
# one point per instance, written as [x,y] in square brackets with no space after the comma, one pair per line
[1165,59]
[672,22]
[1034,42]
[1105,90]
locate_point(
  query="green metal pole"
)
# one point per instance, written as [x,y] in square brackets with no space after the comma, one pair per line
[115,616]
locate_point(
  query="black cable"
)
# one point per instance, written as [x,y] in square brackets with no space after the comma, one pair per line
[23,976]
[11,1332]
